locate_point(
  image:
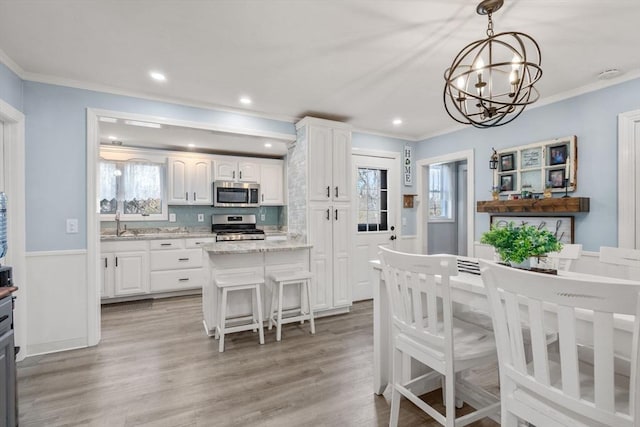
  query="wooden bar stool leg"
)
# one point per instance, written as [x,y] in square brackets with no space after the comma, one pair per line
[259,307]
[307,286]
[223,317]
[279,319]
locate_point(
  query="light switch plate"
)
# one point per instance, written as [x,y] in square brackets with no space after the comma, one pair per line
[200,217]
[404,220]
[263,217]
[172,217]
[72,225]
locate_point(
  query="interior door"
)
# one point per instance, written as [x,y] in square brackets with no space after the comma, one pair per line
[376,190]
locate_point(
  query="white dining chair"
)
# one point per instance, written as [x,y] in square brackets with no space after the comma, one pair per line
[432,336]
[564,258]
[622,263]
[557,389]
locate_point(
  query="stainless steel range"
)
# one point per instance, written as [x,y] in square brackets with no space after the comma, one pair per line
[235,227]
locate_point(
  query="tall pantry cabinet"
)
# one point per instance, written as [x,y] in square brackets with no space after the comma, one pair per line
[319,167]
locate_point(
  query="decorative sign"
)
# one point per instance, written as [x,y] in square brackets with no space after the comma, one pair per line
[560,226]
[407,171]
[531,158]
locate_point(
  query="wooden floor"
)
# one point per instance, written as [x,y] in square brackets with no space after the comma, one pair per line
[156,367]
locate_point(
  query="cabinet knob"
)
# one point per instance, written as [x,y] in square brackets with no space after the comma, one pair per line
[194,196]
[186,279]
[240,174]
[234,174]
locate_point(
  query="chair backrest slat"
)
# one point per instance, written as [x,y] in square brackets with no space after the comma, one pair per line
[538,343]
[569,253]
[515,333]
[568,351]
[583,310]
[622,263]
[603,356]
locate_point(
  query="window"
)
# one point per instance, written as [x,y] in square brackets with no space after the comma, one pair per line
[441,192]
[135,188]
[372,200]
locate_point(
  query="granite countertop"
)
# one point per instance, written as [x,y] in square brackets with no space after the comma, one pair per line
[109,235]
[247,247]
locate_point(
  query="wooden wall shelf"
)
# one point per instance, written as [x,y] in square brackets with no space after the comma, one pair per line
[552,205]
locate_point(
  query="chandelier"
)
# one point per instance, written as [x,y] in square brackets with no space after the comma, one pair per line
[491,81]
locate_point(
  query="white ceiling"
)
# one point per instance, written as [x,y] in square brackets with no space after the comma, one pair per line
[363,62]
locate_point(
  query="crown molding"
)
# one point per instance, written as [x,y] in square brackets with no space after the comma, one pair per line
[11,64]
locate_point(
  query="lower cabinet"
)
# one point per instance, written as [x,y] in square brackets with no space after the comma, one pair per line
[152,267]
[7,365]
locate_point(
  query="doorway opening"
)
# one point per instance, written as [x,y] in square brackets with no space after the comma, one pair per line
[446,215]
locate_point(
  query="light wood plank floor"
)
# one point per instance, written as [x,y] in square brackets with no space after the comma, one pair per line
[156,367]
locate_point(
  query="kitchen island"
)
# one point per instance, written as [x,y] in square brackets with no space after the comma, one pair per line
[263,258]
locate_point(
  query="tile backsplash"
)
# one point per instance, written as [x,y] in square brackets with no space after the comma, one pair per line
[187,216]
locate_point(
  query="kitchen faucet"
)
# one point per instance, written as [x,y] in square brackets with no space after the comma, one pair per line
[119,232]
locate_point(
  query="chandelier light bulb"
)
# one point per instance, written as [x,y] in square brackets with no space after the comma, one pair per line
[460,83]
[479,66]
[515,62]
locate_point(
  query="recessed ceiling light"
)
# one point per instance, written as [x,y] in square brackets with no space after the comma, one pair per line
[157,76]
[245,100]
[267,145]
[191,145]
[397,122]
[112,138]
[108,120]
[143,124]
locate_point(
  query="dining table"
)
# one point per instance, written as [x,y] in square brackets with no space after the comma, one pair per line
[467,290]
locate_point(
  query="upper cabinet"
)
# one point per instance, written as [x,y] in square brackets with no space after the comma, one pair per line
[236,169]
[272,182]
[190,181]
[329,160]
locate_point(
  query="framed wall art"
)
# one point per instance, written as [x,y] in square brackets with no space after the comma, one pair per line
[561,226]
[534,167]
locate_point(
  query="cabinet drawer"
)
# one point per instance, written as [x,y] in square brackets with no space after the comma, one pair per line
[165,281]
[6,313]
[197,242]
[166,244]
[174,260]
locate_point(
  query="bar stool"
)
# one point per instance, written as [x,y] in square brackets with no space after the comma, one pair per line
[280,280]
[242,282]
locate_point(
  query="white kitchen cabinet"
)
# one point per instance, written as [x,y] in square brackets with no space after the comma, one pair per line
[272,183]
[330,234]
[178,264]
[189,181]
[125,269]
[322,153]
[236,169]
[329,163]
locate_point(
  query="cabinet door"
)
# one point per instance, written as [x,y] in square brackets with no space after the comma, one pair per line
[200,180]
[341,256]
[319,163]
[341,166]
[320,225]
[107,267]
[178,178]
[225,170]
[131,273]
[7,380]
[248,171]
[272,184]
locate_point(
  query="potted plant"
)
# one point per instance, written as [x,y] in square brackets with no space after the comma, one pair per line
[516,245]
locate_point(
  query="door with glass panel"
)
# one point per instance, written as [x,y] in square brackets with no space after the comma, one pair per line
[375,202]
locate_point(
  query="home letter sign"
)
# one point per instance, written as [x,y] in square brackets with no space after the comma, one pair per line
[406,167]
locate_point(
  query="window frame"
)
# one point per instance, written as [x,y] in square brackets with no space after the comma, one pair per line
[448,188]
[123,156]
[380,211]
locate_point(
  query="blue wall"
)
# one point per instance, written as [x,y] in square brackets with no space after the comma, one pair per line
[592,117]
[10,87]
[56,153]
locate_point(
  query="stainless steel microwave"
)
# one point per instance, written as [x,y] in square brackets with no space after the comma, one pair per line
[229,194]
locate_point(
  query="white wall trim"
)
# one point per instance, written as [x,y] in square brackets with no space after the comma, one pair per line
[14,167]
[56,253]
[422,215]
[93,230]
[11,64]
[627,178]
[375,153]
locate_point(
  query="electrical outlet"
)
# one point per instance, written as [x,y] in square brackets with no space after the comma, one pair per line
[200,217]
[172,217]
[72,225]
[263,217]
